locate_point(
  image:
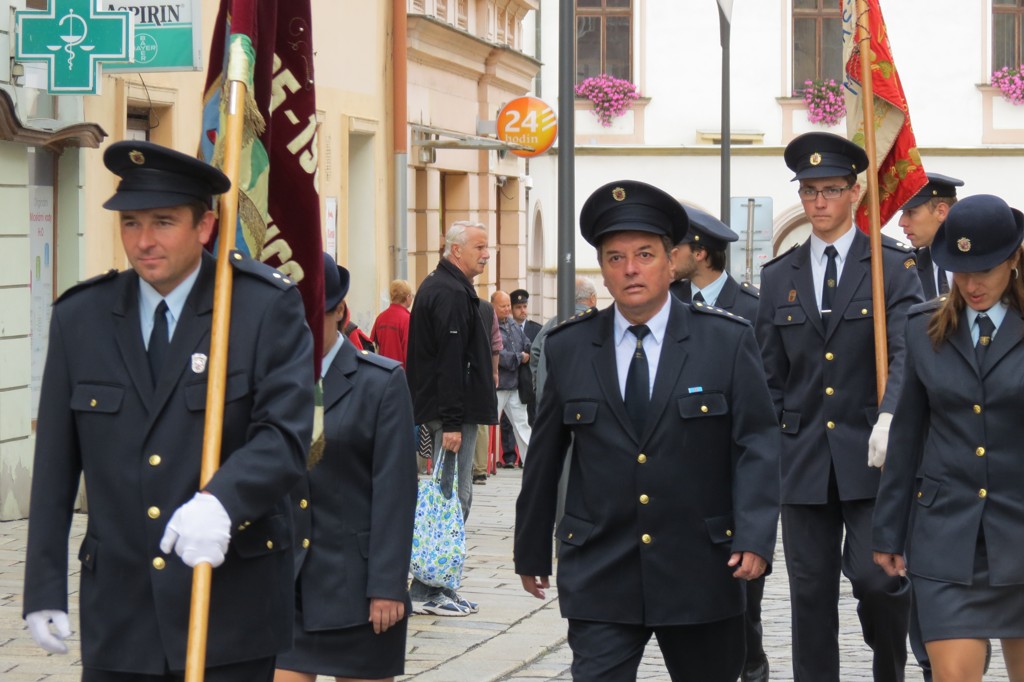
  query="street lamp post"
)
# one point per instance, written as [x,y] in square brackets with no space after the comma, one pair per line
[725,19]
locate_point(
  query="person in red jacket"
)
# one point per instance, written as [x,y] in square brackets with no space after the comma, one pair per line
[391,329]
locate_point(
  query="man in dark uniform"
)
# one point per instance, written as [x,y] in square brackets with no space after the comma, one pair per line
[815,327]
[520,310]
[672,493]
[124,402]
[699,266]
[920,220]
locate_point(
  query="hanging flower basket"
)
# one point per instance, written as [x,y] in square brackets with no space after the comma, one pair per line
[825,101]
[610,96]
[1010,82]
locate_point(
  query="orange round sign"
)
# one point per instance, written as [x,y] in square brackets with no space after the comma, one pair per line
[530,122]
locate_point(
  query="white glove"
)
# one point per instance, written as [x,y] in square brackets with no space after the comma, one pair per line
[199,531]
[878,443]
[38,623]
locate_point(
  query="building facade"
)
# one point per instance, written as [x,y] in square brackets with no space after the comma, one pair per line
[945,56]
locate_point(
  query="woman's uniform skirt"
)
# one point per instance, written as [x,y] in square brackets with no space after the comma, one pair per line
[976,611]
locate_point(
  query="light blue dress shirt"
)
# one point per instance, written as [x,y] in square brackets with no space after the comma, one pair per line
[625,344]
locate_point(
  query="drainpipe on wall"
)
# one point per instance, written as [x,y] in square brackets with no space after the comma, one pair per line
[401,138]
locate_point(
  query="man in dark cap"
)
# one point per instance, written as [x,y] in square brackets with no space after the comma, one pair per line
[814,323]
[124,403]
[699,267]
[520,310]
[672,496]
[920,220]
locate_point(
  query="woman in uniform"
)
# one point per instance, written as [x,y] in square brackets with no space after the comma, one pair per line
[952,494]
[354,515]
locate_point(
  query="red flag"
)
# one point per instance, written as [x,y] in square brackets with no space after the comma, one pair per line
[900,173]
[268,44]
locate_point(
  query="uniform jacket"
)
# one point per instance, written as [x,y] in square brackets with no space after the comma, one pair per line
[651,519]
[356,505]
[531,329]
[926,273]
[140,451]
[450,371]
[513,344]
[954,455]
[822,378]
[739,299]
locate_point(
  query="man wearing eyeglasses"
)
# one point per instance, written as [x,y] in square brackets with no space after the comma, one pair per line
[814,324]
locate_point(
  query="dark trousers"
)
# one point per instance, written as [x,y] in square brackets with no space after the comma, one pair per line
[812,536]
[754,632]
[260,670]
[611,652]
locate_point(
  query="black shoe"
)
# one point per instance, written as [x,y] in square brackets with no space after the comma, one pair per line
[480,479]
[756,672]
[509,463]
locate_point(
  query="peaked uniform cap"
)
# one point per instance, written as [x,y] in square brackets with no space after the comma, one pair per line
[632,206]
[708,231]
[153,176]
[939,186]
[824,155]
[979,233]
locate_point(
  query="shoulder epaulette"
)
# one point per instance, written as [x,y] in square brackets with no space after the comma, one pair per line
[928,306]
[896,245]
[578,317]
[109,274]
[780,256]
[378,360]
[719,312]
[251,266]
[750,290]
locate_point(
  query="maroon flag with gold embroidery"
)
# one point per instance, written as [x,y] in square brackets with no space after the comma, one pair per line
[900,173]
[268,45]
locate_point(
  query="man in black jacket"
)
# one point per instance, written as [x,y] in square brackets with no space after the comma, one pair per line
[449,363]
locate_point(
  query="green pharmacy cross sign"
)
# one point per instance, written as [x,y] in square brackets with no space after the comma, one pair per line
[73,37]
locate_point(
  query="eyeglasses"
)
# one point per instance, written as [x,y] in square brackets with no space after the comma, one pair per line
[830,193]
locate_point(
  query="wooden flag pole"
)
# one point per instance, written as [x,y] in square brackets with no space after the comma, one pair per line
[202,575]
[877,275]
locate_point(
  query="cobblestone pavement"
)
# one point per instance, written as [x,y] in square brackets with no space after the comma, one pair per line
[514,637]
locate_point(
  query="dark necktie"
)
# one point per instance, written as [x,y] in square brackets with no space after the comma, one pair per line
[943,281]
[986,328]
[698,297]
[828,285]
[638,381]
[158,342]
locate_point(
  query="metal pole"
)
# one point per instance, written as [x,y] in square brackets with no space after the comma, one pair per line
[566,159]
[400,132]
[724,26]
[750,239]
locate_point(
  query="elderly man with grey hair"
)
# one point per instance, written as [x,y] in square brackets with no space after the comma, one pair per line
[586,297]
[451,375]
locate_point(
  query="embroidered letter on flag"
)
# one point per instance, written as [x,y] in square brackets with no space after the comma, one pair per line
[900,173]
[268,45]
